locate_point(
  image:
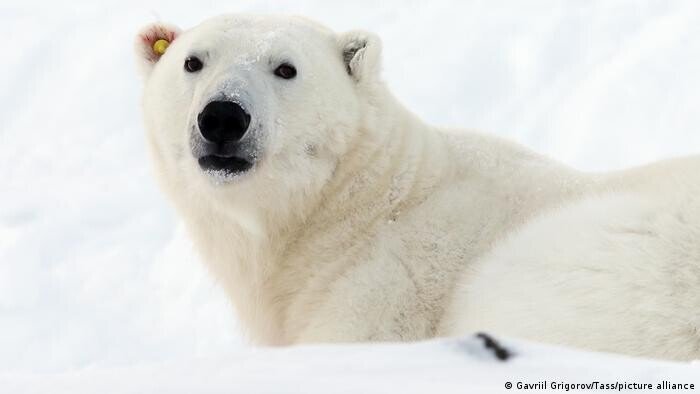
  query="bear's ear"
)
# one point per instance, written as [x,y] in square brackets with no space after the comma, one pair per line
[361,53]
[151,43]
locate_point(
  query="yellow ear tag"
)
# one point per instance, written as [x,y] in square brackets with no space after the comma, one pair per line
[160,46]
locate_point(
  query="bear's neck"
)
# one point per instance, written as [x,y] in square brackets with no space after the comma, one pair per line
[396,162]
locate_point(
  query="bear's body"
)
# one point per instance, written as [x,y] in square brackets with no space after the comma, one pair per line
[352,220]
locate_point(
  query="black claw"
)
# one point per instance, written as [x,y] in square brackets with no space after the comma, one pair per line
[499,351]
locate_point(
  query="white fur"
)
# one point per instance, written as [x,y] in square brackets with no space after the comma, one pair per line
[360,222]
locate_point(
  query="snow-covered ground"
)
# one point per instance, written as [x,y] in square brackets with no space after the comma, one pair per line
[447,367]
[96,274]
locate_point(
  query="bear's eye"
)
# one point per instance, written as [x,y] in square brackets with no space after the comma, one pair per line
[286,71]
[193,64]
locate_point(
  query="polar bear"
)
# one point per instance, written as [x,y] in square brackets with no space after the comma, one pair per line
[331,213]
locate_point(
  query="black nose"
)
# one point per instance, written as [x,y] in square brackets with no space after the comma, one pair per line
[223,121]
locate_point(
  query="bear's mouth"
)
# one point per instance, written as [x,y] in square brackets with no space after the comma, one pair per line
[229,165]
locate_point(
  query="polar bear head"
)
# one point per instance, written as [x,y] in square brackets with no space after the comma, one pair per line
[253,110]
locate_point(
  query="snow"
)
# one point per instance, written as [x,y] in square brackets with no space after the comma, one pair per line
[446,366]
[98,281]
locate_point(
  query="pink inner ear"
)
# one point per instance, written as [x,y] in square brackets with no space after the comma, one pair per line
[155,33]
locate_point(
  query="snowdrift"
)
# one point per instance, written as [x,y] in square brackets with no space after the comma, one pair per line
[439,366]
